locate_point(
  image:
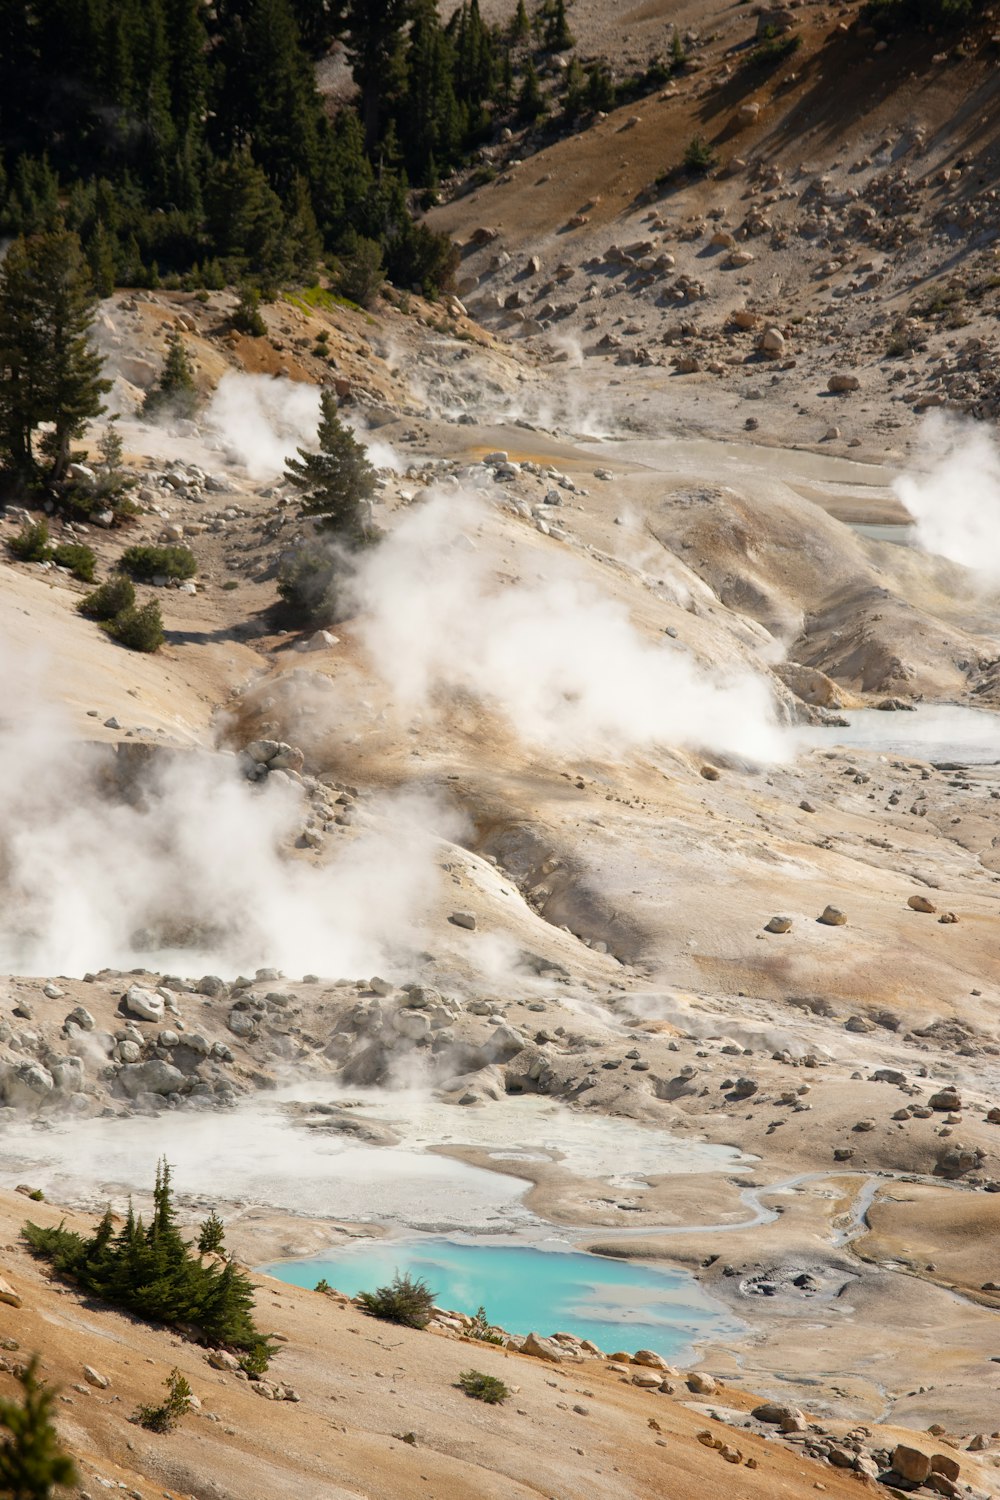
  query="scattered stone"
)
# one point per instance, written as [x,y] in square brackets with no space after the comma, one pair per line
[464,919]
[94,1377]
[832,916]
[921,903]
[779,924]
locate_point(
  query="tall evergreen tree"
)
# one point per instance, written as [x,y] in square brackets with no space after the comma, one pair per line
[49,370]
[558,36]
[375,33]
[337,482]
[428,110]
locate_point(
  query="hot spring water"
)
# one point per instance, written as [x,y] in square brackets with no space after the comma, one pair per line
[615,1303]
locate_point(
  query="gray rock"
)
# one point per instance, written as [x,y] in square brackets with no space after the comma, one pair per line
[25,1085]
[153,1077]
[144,1004]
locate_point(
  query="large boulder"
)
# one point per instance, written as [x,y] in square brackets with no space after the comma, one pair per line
[543,1348]
[143,1003]
[25,1085]
[910,1463]
[153,1077]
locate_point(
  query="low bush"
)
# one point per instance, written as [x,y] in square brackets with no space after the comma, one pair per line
[908,15]
[164,1418]
[247,317]
[108,600]
[144,563]
[483,1387]
[80,560]
[483,1330]
[699,157]
[773,50]
[31,543]
[405,1300]
[310,579]
[139,627]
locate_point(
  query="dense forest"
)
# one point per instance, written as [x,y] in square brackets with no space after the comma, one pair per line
[181,139]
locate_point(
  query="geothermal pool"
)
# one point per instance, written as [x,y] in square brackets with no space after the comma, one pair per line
[257,1154]
[939,732]
[616,1303]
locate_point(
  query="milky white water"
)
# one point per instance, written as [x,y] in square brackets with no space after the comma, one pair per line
[934,731]
[256,1154]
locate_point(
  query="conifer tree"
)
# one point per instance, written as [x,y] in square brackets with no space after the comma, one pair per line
[520,26]
[375,29]
[49,370]
[32,1461]
[558,36]
[337,482]
[175,393]
[211,1235]
[530,100]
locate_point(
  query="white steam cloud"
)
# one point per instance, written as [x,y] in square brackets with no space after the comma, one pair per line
[263,421]
[200,861]
[955,503]
[559,660]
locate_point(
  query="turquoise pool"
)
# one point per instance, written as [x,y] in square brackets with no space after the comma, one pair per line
[619,1304]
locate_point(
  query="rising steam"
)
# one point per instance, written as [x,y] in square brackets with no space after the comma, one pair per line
[198,862]
[955,502]
[559,660]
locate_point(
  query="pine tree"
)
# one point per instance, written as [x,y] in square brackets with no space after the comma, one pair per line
[337,482]
[101,259]
[558,36]
[175,393]
[49,371]
[530,100]
[32,1462]
[211,1235]
[428,110]
[520,26]
[375,30]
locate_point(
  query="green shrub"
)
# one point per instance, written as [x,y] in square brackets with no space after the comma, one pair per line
[164,1418]
[31,543]
[483,1387]
[145,563]
[322,1285]
[80,560]
[247,317]
[309,581]
[483,1330]
[772,51]
[32,1462]
[109,600]
[150,1271]
[405,1300]
[362,272]
[949,15]
[699,157]
[140,628]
